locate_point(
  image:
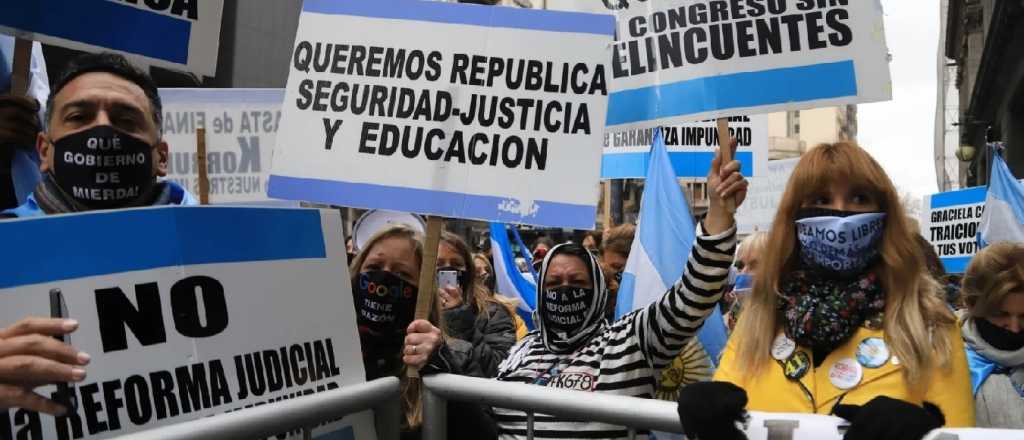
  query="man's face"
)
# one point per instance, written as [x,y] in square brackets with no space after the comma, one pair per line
[100,98]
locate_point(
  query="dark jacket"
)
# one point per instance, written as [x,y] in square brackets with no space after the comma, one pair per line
[491,335]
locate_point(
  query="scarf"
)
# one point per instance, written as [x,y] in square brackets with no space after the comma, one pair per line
[53,200]
[594,321]
[985,360]
[823,313]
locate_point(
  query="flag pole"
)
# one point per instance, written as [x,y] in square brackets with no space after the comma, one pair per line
[428,275]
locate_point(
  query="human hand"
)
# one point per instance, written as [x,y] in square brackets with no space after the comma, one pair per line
[725,182]
[888,418]
[421,339]
[711,411]
[451,297]
[30,357]
[19,121]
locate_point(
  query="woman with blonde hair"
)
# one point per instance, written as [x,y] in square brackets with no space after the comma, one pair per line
[748,255]
[844,317]
[487,279]
[993,288]
[384,277]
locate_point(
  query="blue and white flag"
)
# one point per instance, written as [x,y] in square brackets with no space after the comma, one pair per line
[662,245]
[1003,219]
[509,281]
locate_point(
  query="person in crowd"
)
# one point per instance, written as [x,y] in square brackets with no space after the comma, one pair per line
[747,255]
[486,278]
[19,163]
[575,347]
[950,291]
[592,241]
[30,357]
[471,313]
[103,147]
[615,249]
[844,317]
[541,247]
[385,274]
[993,288]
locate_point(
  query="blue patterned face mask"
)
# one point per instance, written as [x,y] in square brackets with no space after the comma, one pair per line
[840,243]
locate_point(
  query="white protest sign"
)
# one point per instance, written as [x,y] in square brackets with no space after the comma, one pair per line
[758,211]
[241,128]
[691,147]
[187,312]
[455,110]
[178,34]
[793,426]
[678,60]
[950,223]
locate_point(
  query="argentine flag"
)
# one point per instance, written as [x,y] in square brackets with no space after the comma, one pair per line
[508,280]
[662,245]
[1003,219]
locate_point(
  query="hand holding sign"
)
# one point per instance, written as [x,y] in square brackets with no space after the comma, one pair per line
[421,339]
[725,183]
[30,357]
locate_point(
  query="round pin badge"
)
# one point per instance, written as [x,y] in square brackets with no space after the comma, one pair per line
[783,347]
[845,374]
[895,360]
[872,352]
[796,366]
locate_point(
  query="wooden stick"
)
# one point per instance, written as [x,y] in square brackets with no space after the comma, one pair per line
[204,178]
[725,146]
[20,67]
[428,274]
[607,223]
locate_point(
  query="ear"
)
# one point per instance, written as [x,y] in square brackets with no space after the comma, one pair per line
[45,150]
[161,152]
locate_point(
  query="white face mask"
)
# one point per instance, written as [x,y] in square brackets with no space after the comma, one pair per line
[839,242]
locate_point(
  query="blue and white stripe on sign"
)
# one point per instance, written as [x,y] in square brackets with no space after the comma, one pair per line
[689,164]
[83,245]
[102,23]
[737,90]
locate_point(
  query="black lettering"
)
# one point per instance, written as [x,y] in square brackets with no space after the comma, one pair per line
[185,304]
[116,312]
[194,393]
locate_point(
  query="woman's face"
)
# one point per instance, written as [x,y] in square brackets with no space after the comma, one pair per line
[1011,313]
[567,270]
[395,255]
[481,268]
[841,196]
[448,256]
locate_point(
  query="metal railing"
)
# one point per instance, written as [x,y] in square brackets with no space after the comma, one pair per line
[380,395]
[634,413]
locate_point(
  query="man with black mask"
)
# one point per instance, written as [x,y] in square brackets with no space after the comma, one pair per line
[103,147]
[575,346]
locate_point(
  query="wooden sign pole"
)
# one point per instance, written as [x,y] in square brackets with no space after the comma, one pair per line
[428,274]
[725,146]
[204,178]
[20,67]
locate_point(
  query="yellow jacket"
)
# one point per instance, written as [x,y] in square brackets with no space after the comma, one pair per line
[773,392]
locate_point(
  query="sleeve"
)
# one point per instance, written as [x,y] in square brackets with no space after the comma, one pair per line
[489,342]
[950,389]
[664,327]
[453,356]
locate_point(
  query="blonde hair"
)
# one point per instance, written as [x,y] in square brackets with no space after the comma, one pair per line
[752,245]
[619,239]
[412,407]
[916,317]
[994,273]
[510,304]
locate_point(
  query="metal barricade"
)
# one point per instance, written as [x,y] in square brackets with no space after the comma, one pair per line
[380,395]
[658,415]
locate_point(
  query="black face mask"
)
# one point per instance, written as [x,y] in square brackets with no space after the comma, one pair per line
[565,308]
[998,337]
[103,168]
[385,304]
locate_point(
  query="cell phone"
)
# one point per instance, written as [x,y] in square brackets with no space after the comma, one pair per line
[447,278]
[65,394]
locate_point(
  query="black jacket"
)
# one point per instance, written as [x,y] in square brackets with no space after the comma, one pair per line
[491,335]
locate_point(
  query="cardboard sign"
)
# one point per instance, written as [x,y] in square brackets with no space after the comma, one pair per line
[678,60]
[187,312]
[758,212]
[950,223]
[792,426]
[178,34]
[691,147]
[241,129]
[457,110]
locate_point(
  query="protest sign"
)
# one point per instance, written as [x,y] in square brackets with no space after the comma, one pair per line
[794,426]
[691,147]
[179,34]
[455,110]
[187,312]
[758,211]
[241,128]
[677,60]
[950,223]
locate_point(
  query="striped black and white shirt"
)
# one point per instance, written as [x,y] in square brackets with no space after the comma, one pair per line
[622,357]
